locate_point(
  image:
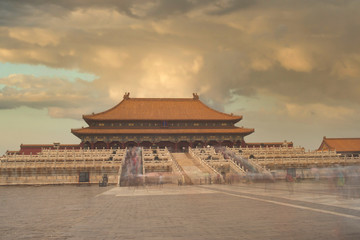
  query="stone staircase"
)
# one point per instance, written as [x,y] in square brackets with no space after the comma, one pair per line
[193,171]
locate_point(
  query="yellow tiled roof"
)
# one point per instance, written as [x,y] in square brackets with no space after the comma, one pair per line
[342,144]
[161,109]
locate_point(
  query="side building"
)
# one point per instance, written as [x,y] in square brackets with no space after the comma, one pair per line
[343,146]
[175,123]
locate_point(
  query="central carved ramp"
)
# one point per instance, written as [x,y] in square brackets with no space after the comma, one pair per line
[196,172]
[132,168]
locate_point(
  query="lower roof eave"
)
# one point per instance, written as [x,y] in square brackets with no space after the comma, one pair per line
[237,131]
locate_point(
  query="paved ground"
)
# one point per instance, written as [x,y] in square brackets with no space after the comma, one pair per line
[244,211]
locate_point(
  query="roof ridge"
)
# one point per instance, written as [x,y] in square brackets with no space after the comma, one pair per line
[137,99]
[159,99]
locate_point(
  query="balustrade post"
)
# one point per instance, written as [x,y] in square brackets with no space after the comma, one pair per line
[25,161]
[7,160]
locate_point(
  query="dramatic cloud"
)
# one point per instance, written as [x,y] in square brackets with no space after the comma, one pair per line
[301,55]
[62,98]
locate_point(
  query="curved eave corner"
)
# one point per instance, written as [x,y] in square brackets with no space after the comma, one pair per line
[249,131]
[237,119]
[75,131]
[90,117]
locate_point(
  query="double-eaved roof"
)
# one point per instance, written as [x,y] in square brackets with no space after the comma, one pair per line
[340,144]
[163,109]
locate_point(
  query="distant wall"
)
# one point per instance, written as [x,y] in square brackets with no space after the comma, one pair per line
[269,144]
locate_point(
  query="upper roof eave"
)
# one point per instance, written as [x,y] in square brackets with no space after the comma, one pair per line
[132,109]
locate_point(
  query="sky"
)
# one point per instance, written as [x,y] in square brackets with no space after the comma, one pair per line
[290,68]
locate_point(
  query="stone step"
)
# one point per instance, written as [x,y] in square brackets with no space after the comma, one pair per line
[191,167]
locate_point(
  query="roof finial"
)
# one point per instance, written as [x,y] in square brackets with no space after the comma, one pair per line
[127,95]
[195,96]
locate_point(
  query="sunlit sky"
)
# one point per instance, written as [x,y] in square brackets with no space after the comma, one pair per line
[290,68]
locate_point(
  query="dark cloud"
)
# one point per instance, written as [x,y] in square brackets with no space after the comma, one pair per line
[164,8]
[224,74]
[305,88]
[15,12]
[32,12]
[326,35]
[229,6]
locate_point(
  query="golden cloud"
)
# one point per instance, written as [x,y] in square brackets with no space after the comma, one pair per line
[38,36]
[294,59]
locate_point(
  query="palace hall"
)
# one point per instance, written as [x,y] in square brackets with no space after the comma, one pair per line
[175,123]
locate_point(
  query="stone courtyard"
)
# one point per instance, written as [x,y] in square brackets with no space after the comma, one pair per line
[306,210]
